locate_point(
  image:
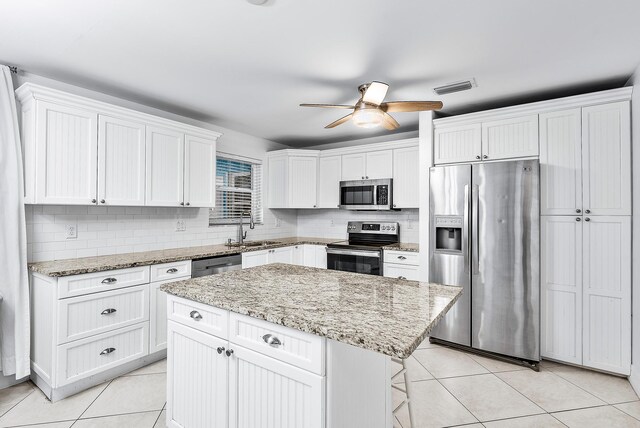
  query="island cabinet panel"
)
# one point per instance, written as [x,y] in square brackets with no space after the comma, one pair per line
[201,317]
[267,393]
[197,383]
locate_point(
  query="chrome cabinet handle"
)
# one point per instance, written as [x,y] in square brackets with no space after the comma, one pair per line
[102,201]
[182,203]
[578,218]
[485,157]
[271,340]
[587,211]
[587,219]
[93,201]
[402,277]
[478,157]
[108,311]
[188,203]
[578,210]
[195,315]
[402,257]
[172,270]
[107,351]
[220,349]
[229,352]
[109,280]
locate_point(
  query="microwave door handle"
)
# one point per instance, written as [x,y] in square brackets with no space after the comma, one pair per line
[375,195]
[466,248]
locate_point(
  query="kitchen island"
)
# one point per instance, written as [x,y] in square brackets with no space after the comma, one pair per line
[290,346]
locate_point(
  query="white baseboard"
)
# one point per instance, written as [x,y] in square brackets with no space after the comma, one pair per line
[634,378]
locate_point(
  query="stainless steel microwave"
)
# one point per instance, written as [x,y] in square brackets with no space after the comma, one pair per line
[367,195]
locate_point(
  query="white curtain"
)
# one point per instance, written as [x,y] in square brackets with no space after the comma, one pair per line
[14,283]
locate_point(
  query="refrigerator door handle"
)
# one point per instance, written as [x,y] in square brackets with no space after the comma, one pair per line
[466,248]
[475,247]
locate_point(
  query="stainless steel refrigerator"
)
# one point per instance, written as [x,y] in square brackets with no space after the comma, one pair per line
[485,238]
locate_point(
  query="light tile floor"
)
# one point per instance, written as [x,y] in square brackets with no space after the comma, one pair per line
[451,388]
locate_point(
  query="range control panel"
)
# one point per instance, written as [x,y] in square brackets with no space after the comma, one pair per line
[373,227]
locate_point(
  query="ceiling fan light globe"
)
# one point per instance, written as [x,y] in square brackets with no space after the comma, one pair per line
[368,118]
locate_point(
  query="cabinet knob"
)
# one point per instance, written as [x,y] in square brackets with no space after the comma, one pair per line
[229,352]
[195,315]
[271,340]
[102,201]
[188,203]
[182,203]
[107,351]
[402,277]
[485,157]
[578,219]
[578,210]
[587,211]
[478,157]
[93,201]
[587,219]
[220,349]
[367,177]
[108,311]
[314,206]
[363,177]
[394,205]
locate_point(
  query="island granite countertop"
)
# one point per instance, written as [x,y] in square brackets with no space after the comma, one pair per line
[386,315]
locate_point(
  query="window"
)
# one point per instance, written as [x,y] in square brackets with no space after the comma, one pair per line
[238,190]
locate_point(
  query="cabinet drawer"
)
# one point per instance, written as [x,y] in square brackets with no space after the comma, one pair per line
[78,285]
[86,357]
[409,272]
[201,317]
[85,316]
[297,348]
[402,257]
[167,271]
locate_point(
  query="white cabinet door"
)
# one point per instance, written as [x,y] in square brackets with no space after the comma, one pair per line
[158,315]
[401,271]
[329,176]
[121,162]
[67,155]
[197,383]
[303,178]
[165,166]
[510,138]
[561,294]
[199,172]
[267,393]
[606,159]
[406,182]
[354,166]
[457,144]
[255,258]
[379,164]
[281,255]
[321,256]
[607,293]
[298,255]
[277,190]
[561,162]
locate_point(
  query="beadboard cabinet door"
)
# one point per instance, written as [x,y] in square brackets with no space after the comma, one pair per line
[67,154]
[561,162]
[197,381]
[121,162]
[457,144]
[303,176]
[510,138]
[165,167]
[267,393]
[354,166]
[606,159]
[255,258]
[199,172]
[379,164]
[607,293]
[406,182]
[329,176]
[561,282]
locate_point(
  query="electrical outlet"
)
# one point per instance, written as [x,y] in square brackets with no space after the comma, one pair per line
[181,226]
[278,222]
[71,231]
[333,222]
[409,225]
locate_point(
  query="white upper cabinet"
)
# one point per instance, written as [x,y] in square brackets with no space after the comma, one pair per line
[354,166]
[293,179]
[66,151]
[165,167]
[461,143]
[510,138]
[561,162]
[406,182]
[121,162]
[606,159]
[379,164]
[329,176]
[199,172]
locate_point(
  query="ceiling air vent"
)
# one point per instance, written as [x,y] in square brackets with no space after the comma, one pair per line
[455,87]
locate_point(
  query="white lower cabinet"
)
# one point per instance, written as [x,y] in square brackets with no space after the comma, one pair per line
[255,258]
[401,264]
[302,255]
[391,270]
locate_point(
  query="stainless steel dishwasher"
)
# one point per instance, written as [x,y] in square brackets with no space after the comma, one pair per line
[214,265]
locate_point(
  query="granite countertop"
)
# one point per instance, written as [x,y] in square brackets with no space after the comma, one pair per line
[386,315]
[402,247]
[82,265]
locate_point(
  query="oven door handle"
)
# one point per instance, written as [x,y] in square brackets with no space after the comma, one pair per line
[375,254]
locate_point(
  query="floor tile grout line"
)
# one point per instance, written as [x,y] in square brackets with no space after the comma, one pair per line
[456,398]
[626,413]
[588,392]
[94,400]
[119,414]
[19,401]
[158,418]
[40,423]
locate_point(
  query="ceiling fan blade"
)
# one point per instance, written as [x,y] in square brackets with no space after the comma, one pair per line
[375,93]
[326,105]
[389,122]
[404,106]
[339,121]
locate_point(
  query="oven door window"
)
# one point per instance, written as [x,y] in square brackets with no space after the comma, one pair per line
[350,263]
[357,195]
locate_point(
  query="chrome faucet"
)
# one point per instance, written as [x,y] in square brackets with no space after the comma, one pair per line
[242,234]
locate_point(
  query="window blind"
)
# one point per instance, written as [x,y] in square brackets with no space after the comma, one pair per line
[238,190]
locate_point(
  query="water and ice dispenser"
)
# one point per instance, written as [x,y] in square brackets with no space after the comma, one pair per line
[448,234]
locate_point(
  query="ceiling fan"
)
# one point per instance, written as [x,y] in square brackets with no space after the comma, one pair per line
[370,110]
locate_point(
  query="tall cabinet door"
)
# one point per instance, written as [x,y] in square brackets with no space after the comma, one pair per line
[303,181]
[197,383]
[607,293]
[606,159]
[67,146]
[121,162]
[329,176]
[561,281]
[267,393]
[405,178]
[165,166]
[561,162]
[379,164]
[200,172]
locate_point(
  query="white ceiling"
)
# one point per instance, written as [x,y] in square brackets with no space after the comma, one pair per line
[248,67]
